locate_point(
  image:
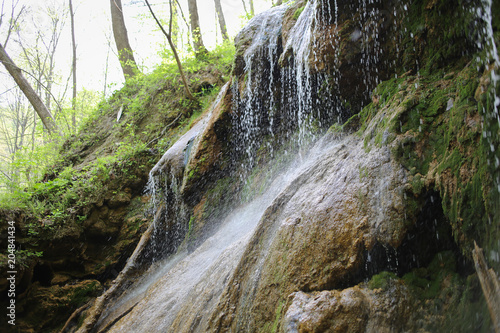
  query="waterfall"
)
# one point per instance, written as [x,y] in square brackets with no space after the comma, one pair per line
[491,115]
[181,295]
[256,107]
[164,187]
[492,61]
[281,91]
[168,212]
[282,95]
[285,93]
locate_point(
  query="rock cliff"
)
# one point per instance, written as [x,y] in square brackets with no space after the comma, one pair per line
[338,183]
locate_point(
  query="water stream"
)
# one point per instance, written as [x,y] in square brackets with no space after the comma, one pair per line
[180,293]
[189,284]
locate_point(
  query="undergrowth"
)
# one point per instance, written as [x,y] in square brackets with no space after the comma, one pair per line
[111,151]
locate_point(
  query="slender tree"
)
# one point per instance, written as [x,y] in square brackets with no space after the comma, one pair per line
[174,16]
[73,67]
[171,43]
[199,47]
[40,57]
[50,40]
[252,10]
[222,21]
[179,8]
[244,7]
[125,54]
[34,99]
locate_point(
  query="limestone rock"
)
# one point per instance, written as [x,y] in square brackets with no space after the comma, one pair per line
[316,233]
[355,309]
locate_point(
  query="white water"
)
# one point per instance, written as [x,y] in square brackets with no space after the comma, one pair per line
[264,47]
[196,280]
[189,285]
[165,183]
[488,43]
[300,44]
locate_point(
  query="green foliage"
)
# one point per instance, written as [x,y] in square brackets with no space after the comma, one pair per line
[30,162]
[23,257]
[107,155]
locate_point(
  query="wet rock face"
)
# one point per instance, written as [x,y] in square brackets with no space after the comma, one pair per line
[210,155]
[344,209]
[355,309]
[316,233]
[346,217]
[354,42]
[307,64]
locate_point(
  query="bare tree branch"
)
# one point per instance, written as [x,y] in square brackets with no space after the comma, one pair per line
[13,20]
[182,15]
[169,38]
[73,66]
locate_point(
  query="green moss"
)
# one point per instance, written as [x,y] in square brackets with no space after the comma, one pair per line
[83,294]
[446,26]
[190,227]
[417,184]
[427,283]
[416,279]
[298,12]
[278,315]
[382,280]
[443,293]
[470,313]
[433,126]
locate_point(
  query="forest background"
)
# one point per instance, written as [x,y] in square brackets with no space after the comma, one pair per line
[37,35]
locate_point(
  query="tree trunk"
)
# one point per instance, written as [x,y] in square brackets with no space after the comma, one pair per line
[125,54]
[199,48]
[174,26]
[252,11]
[222,21]
[279,2]
[73,45]
[28,91]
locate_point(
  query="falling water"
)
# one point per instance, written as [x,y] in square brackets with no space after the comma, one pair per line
[164,187]
[302,108]
[490,109]
[257,104]
[273,103]
[279,96]
[189,285]
[492,61]
[300,47]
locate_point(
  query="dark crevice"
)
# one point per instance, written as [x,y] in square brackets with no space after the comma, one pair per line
[430,235]
[43,274]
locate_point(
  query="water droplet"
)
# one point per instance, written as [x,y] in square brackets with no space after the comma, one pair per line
[450,104]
